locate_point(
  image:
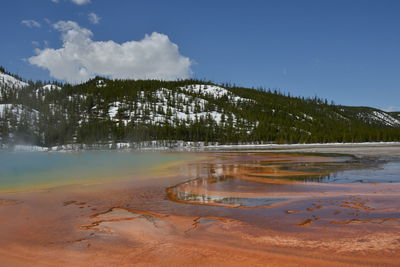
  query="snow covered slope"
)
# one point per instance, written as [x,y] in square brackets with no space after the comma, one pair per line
[9,81]
[17,111]
[165,106]
[41,92]
[379,117]
[213,91]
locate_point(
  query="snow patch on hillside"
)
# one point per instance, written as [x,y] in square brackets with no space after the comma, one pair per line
[101,83]
[51,87]
[10,81]
[45,89]
[203,89]
[308,117]
[214,92]
[386,118]
[15,108]
[165,106]
[18,111]
[379,117]
[113,109]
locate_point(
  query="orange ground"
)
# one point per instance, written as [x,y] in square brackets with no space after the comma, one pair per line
[145,223]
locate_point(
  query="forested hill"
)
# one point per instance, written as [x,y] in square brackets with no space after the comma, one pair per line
[111,111]
[395,114]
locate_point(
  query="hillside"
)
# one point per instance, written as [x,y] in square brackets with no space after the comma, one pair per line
[111,111]
[395,114]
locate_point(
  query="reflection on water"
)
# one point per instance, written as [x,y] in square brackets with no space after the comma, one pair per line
[351,171]
[226,201]
[257,180]
[386,173]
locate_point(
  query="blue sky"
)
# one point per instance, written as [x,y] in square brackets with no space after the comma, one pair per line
[346,51]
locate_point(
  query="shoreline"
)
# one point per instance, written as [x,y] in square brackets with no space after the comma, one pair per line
[200,147]
[376,150]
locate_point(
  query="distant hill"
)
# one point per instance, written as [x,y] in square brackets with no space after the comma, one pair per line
[111,111]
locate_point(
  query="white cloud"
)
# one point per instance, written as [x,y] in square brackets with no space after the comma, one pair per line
[392,108]
[94,18]
[80,58]
[78,2]
[31,23]
[35,43]
[81,2]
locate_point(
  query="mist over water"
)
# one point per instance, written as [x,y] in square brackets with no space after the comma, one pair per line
[21,171]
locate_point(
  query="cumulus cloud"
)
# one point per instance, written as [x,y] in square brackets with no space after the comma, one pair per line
[80,58]
[31,23]
[94,18]
[81,2]
[78,2]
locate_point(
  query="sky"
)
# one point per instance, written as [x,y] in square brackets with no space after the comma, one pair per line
[345,51]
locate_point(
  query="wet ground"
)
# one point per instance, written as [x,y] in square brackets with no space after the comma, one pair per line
[236,209]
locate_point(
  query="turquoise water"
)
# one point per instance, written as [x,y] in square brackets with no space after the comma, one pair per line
[19,171]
